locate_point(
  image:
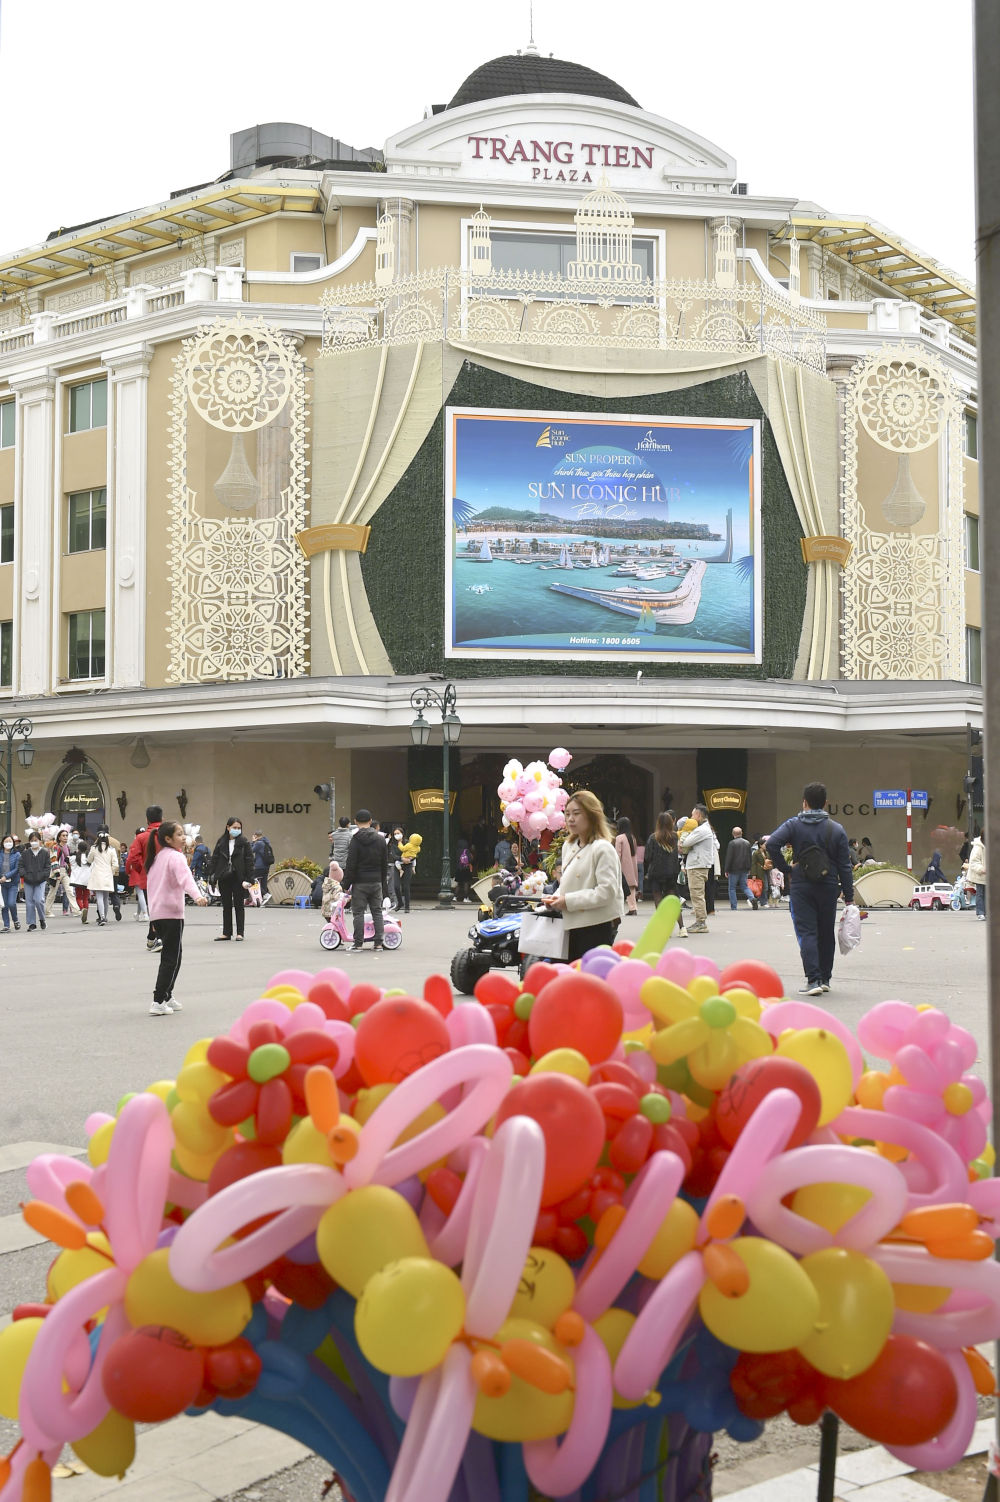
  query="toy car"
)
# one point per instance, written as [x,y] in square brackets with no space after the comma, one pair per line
[936,895]
[493,946]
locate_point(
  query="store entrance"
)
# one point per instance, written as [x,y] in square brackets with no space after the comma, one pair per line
[78,800]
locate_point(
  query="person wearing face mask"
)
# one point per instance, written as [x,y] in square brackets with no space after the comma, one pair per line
[35,865]
[168,882]
[62,861]
[116,849]
[103,862]
[10,880]
[230,868]
[393,850]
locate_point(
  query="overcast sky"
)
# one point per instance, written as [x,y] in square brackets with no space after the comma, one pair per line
[107,108]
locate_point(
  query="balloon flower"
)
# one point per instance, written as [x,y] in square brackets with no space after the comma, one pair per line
[532,797]
[541,1243]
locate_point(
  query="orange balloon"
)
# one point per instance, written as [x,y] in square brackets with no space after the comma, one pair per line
[535,1365]
[980,1371]
[55,1225]
[322,1099]
[974,1246]
[84,1203]
[726,1270]
[490,1374]
[37,1483]
[940,1222]
[569,1328]
[725,1217]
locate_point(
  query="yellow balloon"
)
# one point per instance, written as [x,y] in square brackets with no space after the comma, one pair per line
[207,1319]
[826,1059]
[71,1268]
[613,1328]
[525,1412]
[563,1061]
[702,987]
[675,1236]
[855,1311]
[196,1131]
[198,1052]
[197,1165]
[408,1316]
[988,1154]
[547,1287]
[364,1231]
[16,1342]
[198,1080]
[919,1298]
[305,1143]
[778,1310]
[368,1100]
[160,1088]
[829,1205]
[100,1144]
[109,1449]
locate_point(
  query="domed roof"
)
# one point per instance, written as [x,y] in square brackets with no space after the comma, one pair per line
[530,73]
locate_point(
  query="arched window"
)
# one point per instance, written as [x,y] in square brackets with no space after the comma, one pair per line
[78,799]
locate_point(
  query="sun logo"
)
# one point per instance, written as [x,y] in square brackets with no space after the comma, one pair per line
[544,439]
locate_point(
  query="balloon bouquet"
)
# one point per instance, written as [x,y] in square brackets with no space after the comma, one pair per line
[540,1243]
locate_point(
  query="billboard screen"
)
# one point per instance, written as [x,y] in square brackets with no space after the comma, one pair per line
[581,537]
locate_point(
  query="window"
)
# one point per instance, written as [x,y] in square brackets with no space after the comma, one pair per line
[88,521]
[6,652]
[8,413]
[86,644]
[972,542]
[971,436]
[303,262]
[6,534]
[551,252]
[973,654]
[88,406]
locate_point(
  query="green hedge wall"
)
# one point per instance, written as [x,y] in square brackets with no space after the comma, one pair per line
[403,569]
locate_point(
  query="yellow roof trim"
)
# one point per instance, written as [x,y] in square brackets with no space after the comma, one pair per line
[881,255]
[223,206]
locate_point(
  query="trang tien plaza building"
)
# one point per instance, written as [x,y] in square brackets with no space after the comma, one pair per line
[540,399]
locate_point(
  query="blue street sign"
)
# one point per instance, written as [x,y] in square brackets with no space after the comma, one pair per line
[918,799]
[889,798]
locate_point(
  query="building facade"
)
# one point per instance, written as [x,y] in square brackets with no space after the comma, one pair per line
[539,398]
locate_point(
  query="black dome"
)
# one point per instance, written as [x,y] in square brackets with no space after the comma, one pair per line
[529,73]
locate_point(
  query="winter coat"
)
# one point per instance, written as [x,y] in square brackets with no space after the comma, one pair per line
[660,865]
[737,857]
[367,860]
[591,884]
[239,865]
[103,869]
[35,865]
[627,857]
[135,861]
[758,863]
[13,867]
[814,827]
[977,863]
[934,872]
[263,857]
[699,846]
[340,843]
[168,880]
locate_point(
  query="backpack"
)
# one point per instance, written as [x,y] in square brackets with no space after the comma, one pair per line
[267,852]
[814,860]
[464,863]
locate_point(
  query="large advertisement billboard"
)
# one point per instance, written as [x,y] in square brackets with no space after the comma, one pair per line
[577,537]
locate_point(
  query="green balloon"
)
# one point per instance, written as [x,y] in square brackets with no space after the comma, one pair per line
[523,1005]
[656,1108]
[267,1062]
[653,939]
[718,1012]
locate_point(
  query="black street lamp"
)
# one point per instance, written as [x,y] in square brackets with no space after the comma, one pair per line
[420,734]
[25,755]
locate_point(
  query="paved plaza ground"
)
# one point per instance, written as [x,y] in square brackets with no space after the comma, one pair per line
[77,1035]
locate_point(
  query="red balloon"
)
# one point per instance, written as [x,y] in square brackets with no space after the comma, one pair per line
[274,1112]
[151,1374]
[239,1161]
[764,1384]
[572,1123]
[756,1079]
[539,975]
[631,1146]
[494,986]
[307,1284]
[520,1062]
[324,995]
[437,991]
[396,1037]
[502,1019]
[232,1369]
[362,997]
[233,1103]
[906,1396]
[755,975]
[576,1011]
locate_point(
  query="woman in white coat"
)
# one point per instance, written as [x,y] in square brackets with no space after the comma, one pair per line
[976,872]
[103,861]
[590,891]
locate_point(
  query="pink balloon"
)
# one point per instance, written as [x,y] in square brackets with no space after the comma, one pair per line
[447,1235]
[436,1432]
[533,802]
[557,820]
[560,758]
[647,1200]
[802,1014]
[506,791]
[555,1467]
[502,1224]
[945,1172]
[301,979]
[653,1338]
[827,1165]
[561,799]
[947,1329]
[515,812]
[677,965]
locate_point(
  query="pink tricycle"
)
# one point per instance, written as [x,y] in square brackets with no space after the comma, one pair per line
[336,931]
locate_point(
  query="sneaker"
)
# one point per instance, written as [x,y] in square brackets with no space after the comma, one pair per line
[159,1009]
[753,903]
[980,917]
[41,924]
[223,938]
[118,915]
[172,1005]
[826,986]
[378,948]
[31,928]
[813,988]
[698,928]
[265,900]
[152,945]
[239,938]
[17,925]
[356,949]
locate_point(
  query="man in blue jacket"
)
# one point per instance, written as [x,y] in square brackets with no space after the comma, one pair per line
[818,843]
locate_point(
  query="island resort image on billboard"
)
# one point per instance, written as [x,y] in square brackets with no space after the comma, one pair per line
[604,536]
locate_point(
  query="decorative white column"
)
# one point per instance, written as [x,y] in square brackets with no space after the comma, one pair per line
[126,603]
[35,455]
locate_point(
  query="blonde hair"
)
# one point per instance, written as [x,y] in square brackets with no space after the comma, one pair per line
[596,818]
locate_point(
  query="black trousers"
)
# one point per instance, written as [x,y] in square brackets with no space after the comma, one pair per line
[591,937]
[170,931]
[814,917]
[233,900]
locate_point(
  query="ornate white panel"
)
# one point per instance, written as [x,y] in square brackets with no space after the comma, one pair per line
[36,420]
[165,272]
[904,596]
[129,371]
[238,602]
[81,297]
[233,253]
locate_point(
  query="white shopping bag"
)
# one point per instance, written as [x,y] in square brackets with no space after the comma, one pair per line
[849,929]
[544,934]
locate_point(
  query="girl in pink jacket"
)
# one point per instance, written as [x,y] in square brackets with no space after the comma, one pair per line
[167,880]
